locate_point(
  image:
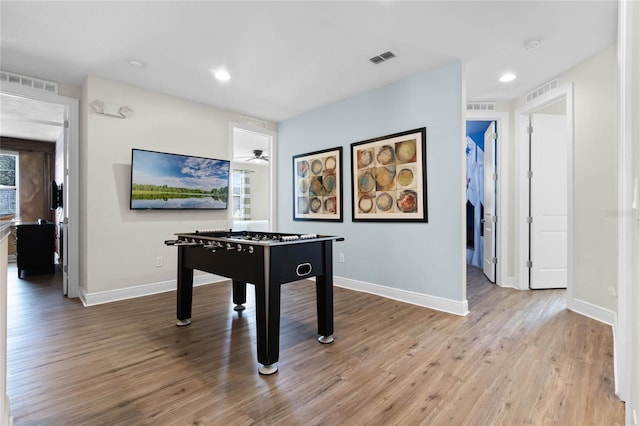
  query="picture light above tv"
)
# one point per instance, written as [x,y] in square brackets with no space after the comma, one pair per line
[165,181]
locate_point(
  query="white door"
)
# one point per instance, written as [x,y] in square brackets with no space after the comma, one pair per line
[548,202]
[489,217]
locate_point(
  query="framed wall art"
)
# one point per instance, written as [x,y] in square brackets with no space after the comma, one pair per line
[389,178]
[317,185]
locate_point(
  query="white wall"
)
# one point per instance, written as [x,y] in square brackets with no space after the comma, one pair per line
[119,246]
[422,258]
[508,139]
[595,179]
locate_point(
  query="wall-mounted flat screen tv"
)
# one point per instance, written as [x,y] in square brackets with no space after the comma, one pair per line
[161,180]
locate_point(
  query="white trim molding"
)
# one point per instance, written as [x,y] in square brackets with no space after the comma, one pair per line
[5,403]
[623,331]
[592,311]
[433,302]
[509,282]
[101,297]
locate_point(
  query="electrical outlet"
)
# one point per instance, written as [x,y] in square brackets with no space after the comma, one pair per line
[159,261]
[341,257]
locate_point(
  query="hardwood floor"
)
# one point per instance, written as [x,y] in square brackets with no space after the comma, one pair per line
[517,358]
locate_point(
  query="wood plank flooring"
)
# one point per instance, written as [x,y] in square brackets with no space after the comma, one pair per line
[517,358]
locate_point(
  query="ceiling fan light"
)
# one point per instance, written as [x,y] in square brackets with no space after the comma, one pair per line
[258,155]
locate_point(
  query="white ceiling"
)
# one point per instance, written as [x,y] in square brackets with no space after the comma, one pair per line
[30,119]
[286,57]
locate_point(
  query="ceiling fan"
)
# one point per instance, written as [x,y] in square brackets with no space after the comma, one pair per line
[257,155]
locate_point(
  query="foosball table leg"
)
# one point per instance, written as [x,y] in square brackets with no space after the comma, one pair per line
[267,370]
[325,339]
[239,295]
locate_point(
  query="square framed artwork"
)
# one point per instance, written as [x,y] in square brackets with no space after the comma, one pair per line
[317,185]
[389,178]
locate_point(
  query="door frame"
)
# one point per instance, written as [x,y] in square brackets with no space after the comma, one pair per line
[502,194]
[522,183]
[627,300]
[72,142]
[272,167]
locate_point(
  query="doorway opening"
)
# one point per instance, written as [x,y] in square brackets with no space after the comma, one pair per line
[252,181]
[544,182]
[480,206]
[66,175]
[486,201]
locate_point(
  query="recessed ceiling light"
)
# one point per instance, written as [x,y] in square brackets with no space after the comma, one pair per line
[136,64]
[507,77]
[222,75]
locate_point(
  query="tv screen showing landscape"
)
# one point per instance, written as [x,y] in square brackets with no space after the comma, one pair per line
[161,180]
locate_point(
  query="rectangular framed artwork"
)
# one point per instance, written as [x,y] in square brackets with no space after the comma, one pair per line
[317,185]
[389,178]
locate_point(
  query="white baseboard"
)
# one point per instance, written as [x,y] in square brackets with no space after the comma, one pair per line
[508,282]
[424,300]
[592,311]
[100,297]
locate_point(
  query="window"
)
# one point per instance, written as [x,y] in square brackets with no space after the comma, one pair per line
[241,195]
[8,185]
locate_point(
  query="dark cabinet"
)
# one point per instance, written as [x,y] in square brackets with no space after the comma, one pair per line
[36,247]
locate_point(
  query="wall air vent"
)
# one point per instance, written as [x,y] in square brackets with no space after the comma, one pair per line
[253,122]
[23,80]
[481,106]
[382,57]
[545,88]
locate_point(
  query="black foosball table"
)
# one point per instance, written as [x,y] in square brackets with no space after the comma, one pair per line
[267,260]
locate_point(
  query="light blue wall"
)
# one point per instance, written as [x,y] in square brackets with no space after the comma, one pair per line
[426,258]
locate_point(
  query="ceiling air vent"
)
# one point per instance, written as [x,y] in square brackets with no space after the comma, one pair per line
[547,87]
[23,80]
[382,57]
[481,106]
